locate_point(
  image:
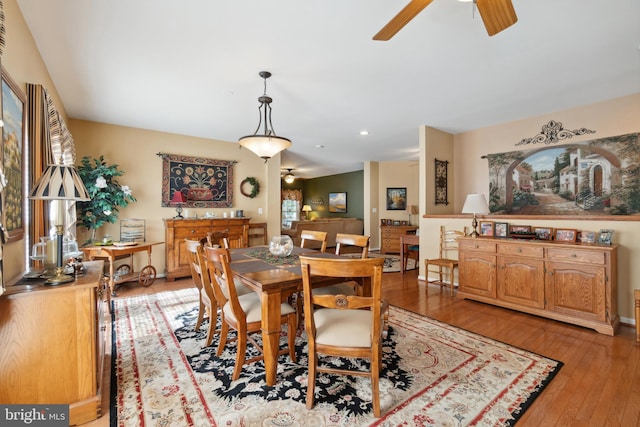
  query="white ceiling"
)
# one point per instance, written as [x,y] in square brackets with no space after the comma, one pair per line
[191,67]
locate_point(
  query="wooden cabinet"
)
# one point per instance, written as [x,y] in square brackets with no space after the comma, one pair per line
[391,237]
[53,341]
[176,230]
[573,283]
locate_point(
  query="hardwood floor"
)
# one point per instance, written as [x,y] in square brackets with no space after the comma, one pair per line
[599,384]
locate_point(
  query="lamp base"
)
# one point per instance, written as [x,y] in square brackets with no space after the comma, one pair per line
[179,212]
[474,225]
[60,278]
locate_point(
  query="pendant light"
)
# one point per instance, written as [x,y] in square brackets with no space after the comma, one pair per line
[266,144]
[289,177]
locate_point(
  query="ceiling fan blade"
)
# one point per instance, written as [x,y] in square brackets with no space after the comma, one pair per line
[401,19]
[497,15]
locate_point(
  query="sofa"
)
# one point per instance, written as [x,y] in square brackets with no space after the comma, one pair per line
[332,226]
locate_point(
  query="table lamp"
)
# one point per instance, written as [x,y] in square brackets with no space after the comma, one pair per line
[306,209]
[60,182]
[412,210]
[178,200]
[475,204]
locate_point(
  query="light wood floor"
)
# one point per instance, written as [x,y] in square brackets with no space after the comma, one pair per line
[599,384]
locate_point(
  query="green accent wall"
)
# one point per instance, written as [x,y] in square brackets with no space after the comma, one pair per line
[317,190]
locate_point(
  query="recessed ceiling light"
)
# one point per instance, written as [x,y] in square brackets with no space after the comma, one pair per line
[319,146]
[364,132]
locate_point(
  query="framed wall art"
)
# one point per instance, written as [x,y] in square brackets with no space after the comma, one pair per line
[337,202]
[442,197]
[13,116]
[397,199]
[205,183]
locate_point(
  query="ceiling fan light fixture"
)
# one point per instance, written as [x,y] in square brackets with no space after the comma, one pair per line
[267,144]
[289,177]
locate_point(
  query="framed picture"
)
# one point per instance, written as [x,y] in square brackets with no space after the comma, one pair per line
[501,229]
[543,233]
[588,237]
[337,202]
[441,182]
[397,199]
[13,115]
[566,235]
[486,228]
[605,237]
[520,229]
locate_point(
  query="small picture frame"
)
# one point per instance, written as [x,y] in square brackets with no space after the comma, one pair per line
[486,228]
[605,237]
[543,233]
[501,229]
[520,229]
[566,235]
[588,237]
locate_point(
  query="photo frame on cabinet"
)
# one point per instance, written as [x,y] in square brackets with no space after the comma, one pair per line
[486,228]
[588,237]
[566,235]
[501,229]
[605,237]
[519,229]
[543,233]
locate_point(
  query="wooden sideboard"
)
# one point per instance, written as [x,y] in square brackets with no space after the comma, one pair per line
[573,283]
[52,344]
[390,242]
[176,230]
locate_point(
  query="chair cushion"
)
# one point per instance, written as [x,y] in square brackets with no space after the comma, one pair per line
[414,248]
[338,289]
[252,307]
[241,288]
[205,298]
[343,328]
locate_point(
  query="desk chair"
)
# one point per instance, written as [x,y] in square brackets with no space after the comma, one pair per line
[447,260]
[410,252]
[243,313]
[344,326]
[308,236]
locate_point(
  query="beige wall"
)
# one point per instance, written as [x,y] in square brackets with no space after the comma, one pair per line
[471,175]
[134,150]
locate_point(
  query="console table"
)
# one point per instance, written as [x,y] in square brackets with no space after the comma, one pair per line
[53,342]
[571,282]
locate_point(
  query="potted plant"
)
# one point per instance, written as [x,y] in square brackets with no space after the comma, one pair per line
[107,195]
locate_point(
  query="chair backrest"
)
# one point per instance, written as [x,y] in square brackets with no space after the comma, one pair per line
[217,261]
[369,268]
[198,267]
[449,242]
[345,240]
[314,236]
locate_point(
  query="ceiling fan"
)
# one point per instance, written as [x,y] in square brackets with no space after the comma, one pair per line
[497,15]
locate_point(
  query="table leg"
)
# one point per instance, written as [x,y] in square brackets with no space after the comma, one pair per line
[271,334]
[112,284]
[401,256]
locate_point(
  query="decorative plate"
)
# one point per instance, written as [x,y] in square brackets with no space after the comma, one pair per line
[123,244]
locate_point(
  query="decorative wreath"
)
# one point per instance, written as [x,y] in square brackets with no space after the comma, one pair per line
[255,187]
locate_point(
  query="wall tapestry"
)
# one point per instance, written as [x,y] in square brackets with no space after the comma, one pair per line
[597,177]
[442,197]
[205,183]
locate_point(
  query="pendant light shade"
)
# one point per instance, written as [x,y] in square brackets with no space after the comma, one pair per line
[289,177]
[266,144]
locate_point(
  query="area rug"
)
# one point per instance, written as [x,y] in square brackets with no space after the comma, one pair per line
[391,262]
[434,374]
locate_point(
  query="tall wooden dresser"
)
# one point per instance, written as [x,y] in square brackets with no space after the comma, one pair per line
[52,343]
[176,230]
[390,242]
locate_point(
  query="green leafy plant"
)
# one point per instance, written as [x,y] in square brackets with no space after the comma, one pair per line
[107,195]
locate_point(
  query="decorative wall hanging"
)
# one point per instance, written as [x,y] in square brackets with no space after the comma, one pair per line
[397,199]
[206,183]
[338,202]
[441,182]
[553,132]
[250,187]
[13,114]
[598,177]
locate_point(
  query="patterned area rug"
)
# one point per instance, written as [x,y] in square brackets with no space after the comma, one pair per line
[434,375]
[391,262]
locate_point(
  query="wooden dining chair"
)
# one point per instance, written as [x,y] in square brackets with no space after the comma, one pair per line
[344,326]
[344,241]
[447,261]
[308,236]
[208,307]
[410,252]
[243,313]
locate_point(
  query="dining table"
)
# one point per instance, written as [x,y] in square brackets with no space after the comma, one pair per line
[275,278]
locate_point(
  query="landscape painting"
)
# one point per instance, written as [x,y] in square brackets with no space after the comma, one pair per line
[338,202]
[598,177]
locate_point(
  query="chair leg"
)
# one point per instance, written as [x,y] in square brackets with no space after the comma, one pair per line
[375,389]
[311,380]
[200,315]
[223,337]
[293,327]
[213,320]
[240,355]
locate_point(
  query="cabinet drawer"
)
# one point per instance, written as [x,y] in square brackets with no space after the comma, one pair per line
[190,232]
[477,245]
[522,250]
[576,255]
